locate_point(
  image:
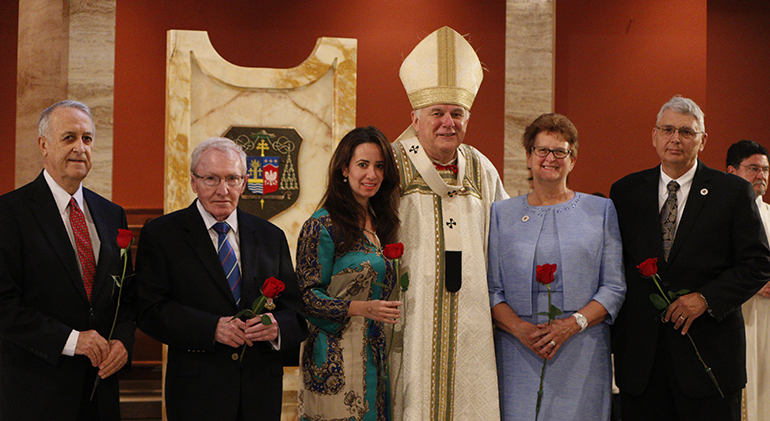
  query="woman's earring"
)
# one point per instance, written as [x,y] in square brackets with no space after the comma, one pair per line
[344,179]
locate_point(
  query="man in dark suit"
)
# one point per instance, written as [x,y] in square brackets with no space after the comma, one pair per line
[58,252]
[706,233]
[189,288]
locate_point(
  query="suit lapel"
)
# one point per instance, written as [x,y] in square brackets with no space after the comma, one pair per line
[197,237]
[102,278]
[649,214]
[695,201]
[249,247]
[258,261]
[43,207]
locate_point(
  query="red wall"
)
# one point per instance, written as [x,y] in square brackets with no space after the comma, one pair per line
[9,30]
[616,64]
[738,76]
[282,34]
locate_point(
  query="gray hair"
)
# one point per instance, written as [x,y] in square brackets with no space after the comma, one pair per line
[221,144]
[682,105]
[417,111]
[44,122]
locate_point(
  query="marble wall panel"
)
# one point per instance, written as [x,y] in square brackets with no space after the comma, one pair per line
[206,95]
[529,80]
[66,50]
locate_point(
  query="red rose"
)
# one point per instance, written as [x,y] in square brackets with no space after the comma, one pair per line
[648,267]
[125,237]
[272,287]
[394,251]
[544,273]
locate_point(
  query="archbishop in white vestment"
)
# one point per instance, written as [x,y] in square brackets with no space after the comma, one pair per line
[442,361]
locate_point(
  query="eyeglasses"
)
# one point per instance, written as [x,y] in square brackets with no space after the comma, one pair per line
[559,153]
[684,132]
[214,180]
[754,169]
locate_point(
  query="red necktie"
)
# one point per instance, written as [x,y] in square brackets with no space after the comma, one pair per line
[83,244]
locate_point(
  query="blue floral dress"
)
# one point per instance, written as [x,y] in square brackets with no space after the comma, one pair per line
[343,363]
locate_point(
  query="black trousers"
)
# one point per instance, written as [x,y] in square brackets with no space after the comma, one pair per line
[664,399]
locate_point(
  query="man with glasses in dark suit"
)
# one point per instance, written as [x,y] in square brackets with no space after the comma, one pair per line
[703,227]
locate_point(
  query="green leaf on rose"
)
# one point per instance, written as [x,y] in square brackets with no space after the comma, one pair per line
[658,301]
[555,311]
[404,281]
[244,312]
[675,295]
[266,320]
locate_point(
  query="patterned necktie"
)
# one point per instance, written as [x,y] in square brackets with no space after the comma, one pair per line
[83,245]
[229,261]
[668,218]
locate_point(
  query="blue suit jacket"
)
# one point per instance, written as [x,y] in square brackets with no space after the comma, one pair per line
[720,250]
[42,298]
[590,254]
[183,292]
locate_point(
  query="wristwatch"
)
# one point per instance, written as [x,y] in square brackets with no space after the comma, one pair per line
[581,321]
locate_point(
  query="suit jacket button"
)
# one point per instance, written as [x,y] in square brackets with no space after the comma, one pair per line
[235,356]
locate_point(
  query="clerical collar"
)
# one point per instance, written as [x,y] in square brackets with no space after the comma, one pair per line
[449,166]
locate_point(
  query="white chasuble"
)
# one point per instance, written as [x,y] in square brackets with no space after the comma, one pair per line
[756,315]
[443,360]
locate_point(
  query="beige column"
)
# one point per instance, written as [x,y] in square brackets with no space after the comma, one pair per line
[529,80]
[66,51]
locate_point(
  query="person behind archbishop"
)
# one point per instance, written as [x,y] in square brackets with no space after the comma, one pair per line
[749,160]
[196,268]
[446,368]
[58,253]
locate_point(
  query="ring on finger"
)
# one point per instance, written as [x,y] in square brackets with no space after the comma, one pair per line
[553,344]
[681,317]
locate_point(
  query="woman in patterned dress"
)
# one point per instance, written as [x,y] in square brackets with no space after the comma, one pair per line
[345,282]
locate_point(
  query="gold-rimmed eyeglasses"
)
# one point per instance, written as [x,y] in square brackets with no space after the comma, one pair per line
[214,180]
[687,133]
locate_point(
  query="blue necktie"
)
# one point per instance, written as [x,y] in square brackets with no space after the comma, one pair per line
[229,261]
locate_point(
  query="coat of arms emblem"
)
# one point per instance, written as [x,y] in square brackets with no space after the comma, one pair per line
[272,184]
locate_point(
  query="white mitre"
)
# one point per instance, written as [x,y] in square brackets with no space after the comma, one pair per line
[442,69]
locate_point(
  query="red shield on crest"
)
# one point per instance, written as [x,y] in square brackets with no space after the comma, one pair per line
[270,175]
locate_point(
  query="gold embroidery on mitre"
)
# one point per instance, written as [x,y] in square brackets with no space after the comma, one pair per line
[442,69]
[447,75]
[441,95]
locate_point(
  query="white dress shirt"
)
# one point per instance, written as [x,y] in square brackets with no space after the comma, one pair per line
[62,199]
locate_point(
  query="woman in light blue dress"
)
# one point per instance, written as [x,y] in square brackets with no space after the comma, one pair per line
[579,233]
[345,281]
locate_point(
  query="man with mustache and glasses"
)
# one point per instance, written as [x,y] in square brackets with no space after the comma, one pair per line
[748,160]
[704,228]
